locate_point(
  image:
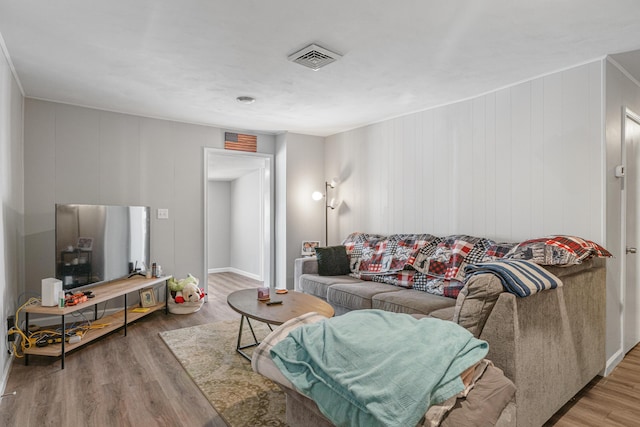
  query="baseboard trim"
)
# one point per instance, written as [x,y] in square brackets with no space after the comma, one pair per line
[236,271]
[6,369]
[613,362]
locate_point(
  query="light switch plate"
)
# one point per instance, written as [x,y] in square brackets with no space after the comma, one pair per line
[163,213]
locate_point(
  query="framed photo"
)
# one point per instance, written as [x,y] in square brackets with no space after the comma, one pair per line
[147,297]
[85,243]
[309,247]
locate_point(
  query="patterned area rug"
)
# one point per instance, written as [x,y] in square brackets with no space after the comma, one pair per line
[239,395]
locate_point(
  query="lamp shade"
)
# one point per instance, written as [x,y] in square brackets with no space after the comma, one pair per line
[316,195]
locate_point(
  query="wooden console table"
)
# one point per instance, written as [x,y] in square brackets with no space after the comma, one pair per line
[103,293]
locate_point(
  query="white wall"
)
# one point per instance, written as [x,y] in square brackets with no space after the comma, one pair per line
[12,212]
[304,217]
[219,224]
[622,92]
[282,262]
[81,155]
[517,163]
[246,242]
[514,164]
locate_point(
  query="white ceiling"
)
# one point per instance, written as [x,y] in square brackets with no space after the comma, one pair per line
[188,60]
[231,166]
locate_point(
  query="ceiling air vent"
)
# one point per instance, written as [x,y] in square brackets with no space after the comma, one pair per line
[314,57]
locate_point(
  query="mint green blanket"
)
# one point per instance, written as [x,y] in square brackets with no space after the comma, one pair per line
[376,368]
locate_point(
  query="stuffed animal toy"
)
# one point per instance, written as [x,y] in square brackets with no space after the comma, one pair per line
[192,293]
[185,290]
[177,285]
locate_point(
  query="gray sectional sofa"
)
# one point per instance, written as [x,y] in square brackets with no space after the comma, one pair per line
[550,344]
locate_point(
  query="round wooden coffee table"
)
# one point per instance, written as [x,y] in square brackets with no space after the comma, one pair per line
[293,304]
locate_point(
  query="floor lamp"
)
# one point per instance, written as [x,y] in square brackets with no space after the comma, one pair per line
[328,204]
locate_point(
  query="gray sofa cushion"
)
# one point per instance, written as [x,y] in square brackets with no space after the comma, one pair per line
[357,296]
[315,285]
[411,301]
[444,313]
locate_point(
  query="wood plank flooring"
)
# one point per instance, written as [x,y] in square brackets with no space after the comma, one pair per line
[120,381]
[136,381]
[606,401]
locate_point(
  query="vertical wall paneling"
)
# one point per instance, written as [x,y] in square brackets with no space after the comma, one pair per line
[82,155]
[518,163]
[492,172]
[597,159]
[245,224]
[219,227]
[523,179]
[537,155]
[77,158]
[478,175]
[442,164]
[39,169]
[410,160]
[575,104]
[305,218]
[462,174]
[119,159]
[12,219]
[506,170]
[187,188]
[501,165]
[554,153]
[157,190]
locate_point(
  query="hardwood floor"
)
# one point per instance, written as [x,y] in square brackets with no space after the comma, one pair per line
[606,401]
[120,381]
[136,381]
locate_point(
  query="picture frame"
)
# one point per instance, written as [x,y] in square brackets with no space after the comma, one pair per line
[147,297]
[309,247]
[85,243]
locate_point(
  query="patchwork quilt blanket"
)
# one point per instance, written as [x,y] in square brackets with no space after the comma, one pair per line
[419,261]
[440,265]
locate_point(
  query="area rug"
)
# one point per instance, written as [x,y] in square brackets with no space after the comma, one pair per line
[241,396]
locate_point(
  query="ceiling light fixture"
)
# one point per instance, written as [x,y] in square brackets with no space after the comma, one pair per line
[246,99]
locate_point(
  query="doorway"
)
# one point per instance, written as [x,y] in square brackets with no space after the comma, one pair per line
[238,214]
[631,210]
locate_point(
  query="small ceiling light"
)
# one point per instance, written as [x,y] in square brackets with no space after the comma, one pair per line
[246,99]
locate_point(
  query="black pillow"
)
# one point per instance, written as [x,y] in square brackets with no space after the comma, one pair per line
[332,261]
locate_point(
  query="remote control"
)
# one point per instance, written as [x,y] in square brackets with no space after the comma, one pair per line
[274,302]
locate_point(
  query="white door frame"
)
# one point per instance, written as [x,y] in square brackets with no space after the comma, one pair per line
[628,115]
[267,212]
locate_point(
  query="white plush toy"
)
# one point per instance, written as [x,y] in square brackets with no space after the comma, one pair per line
[192,293]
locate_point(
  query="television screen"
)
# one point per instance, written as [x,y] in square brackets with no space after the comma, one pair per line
[99,243]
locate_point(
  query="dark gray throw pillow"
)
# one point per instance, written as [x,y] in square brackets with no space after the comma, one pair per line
[332,261]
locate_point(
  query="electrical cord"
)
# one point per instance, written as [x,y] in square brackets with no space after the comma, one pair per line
[47,335]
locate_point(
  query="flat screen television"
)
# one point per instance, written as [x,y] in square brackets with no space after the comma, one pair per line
[100,243]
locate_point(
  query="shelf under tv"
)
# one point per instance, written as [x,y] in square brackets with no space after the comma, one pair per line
[115,321]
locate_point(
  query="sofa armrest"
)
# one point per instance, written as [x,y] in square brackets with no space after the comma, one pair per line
[550,344]
[308,265]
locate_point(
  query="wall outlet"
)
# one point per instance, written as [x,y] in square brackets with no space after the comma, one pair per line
[163,213]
